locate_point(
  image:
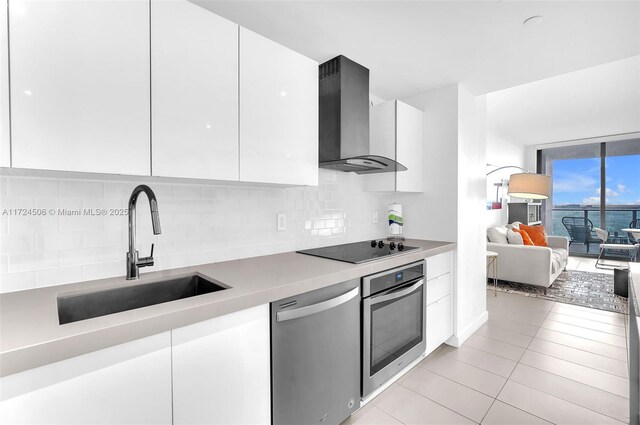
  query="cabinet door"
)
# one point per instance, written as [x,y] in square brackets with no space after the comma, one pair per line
[278,113]
[5,141]
[221,370]
[194,62]
[80,85]
[439,323]
[382,128]
[125,384]
[409,147]
[440,264]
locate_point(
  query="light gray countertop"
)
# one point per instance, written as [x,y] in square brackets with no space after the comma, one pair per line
[30,335]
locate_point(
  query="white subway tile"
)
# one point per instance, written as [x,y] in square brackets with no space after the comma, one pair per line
[17,243]
[106,269]
[32,261]
[104,238]
[187,191]
[18,187]
[81,189]
[58,276]
[17,281]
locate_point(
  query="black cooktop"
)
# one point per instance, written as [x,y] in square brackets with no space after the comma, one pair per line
[360,252]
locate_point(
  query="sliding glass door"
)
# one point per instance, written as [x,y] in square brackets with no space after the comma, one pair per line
[578,204]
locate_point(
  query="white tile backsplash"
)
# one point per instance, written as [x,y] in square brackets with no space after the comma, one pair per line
[201,223]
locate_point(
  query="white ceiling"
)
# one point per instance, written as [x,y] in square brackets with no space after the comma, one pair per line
[415,46]
[599,101]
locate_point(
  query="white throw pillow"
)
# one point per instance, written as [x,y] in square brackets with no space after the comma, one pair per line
[514,225]
[497,234]
[514,238]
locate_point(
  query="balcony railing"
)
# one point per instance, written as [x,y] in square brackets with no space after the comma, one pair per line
[617,217]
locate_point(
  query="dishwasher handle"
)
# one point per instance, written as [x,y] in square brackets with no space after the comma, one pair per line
[282,316]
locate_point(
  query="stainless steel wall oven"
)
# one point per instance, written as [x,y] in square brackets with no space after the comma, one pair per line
[393,323]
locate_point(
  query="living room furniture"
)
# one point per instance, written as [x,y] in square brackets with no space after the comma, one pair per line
[533,265]
[603,235]
[633,230]
[492,263]
[529,213]
[580,230]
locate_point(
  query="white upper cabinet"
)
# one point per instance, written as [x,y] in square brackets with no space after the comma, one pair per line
[5,134]
[194,63]
[396,132]
[409,147]
[80,85]
[278,113]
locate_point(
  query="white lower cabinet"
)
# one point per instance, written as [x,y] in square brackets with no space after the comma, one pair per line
[126,384]
[439,300]
[221,370]
[439,322]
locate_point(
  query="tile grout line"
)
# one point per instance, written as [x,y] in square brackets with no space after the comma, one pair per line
[576,348]
[579,364]
[588,339]
[552,395]
[439,404]
[517,363]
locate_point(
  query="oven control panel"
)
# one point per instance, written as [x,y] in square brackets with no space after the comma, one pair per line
[390,278]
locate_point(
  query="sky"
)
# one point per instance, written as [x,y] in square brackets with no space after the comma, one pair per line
[577,181]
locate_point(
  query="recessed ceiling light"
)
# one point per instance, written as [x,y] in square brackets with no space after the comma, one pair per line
[533,21]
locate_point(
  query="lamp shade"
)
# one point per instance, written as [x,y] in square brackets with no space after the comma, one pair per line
[530,186]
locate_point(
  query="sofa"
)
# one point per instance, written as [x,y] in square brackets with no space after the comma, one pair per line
[533,265]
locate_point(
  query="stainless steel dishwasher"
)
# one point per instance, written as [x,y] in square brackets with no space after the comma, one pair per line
[315,356]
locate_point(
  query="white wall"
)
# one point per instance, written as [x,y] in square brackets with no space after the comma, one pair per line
[452,206]
[201,223]
[502,152]
[471,294]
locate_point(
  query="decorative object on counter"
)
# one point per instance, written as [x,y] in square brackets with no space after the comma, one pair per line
[133,261]
[525,185]
[586,289]
[396,222]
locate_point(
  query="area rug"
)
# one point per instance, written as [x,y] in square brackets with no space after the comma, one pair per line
[587,289]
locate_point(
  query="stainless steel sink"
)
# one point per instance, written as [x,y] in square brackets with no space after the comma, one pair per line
[73,308]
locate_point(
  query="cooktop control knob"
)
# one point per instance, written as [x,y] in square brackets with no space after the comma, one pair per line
[392,245]
[373,244]
[380,244]
[400,246]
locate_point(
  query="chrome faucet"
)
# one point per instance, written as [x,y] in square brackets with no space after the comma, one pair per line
[133,262]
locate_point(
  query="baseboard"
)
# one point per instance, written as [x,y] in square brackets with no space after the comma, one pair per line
[458,340]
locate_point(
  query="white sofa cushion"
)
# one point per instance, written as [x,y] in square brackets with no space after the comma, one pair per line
[497,234]
[514,238]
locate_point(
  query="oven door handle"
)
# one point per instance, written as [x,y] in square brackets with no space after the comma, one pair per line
[397,293]
[282,316]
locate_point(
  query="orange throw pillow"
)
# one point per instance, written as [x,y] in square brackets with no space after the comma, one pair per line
[526,239]
[537,233]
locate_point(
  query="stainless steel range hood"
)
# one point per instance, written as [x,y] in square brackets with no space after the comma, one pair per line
[344,120]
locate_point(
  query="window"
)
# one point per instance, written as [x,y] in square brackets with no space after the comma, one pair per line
[578,203]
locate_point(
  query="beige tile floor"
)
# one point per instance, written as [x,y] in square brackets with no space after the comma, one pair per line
[534,362]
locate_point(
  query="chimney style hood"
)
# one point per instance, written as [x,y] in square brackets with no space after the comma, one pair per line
[344,120]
